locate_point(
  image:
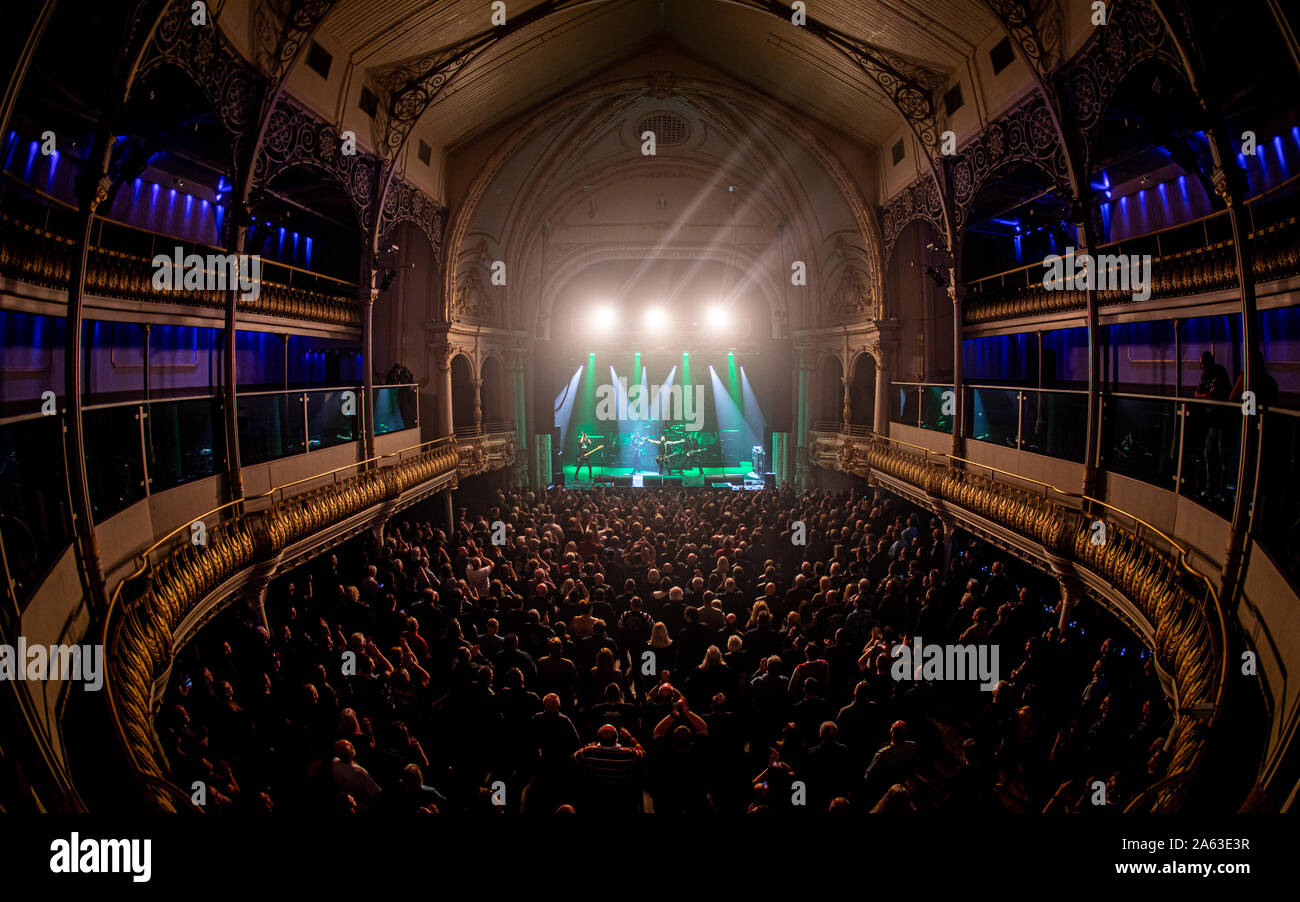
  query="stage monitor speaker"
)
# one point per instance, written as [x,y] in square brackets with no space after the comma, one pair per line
[671,481]
[623,481]
[781,384]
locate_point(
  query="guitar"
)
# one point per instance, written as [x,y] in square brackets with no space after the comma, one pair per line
[592,451]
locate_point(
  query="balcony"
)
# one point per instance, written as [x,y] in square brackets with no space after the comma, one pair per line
[36,248]
[154,462]
[1176,271]
[1187,446]
[486,447]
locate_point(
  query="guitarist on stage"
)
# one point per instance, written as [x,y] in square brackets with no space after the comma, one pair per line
[667,454]
[584,456]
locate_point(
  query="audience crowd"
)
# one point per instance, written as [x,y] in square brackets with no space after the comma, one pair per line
[618,651]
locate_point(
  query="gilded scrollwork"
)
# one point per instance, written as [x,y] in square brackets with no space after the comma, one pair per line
[481,454]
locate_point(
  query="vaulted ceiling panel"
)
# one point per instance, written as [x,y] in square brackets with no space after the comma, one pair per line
[564,49]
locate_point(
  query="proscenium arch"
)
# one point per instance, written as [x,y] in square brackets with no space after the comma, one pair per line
[755,103]
[450,61]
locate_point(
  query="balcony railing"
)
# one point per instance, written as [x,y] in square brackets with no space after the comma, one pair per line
[492,427]
[1187,259]
[1180,444]
[36,247]
[137,448]
[1275,519]
[1183,445]
[922,404]
[141,447]
[35,518]
[854,429]
[1052,422]
[397,407]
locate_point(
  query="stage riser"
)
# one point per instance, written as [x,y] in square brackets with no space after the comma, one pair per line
[655,481]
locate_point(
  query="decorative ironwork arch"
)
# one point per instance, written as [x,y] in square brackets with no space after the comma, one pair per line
[231,86]
[407,203]
[1026,134]
[918,201]
[1133,35]
[414,84]
[295,137]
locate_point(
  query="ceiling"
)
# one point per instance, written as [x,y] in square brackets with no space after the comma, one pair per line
[561,51]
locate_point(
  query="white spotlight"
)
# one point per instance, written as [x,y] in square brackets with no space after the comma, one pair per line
[717,318]
[603,319]
[656,318]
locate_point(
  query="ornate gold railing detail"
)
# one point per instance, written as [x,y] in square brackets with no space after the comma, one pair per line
[1190,628]
[31,254]
[1275,253]
[482,453]
[138,633]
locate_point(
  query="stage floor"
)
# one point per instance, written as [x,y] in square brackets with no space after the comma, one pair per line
[691,477]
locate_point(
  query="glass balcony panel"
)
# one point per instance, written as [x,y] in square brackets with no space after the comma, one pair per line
[1211,451]
[333,417]
[270,427]
[905,406]
[1140,439]
[992,415]
[114,459]
[395,409]
[1055,424]
[933,406]
[187,441]
[35,521]
[1276,521]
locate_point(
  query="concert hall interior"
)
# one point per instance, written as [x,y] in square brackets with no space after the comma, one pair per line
[631,406]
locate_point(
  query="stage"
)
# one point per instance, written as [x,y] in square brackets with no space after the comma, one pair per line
[696,417]
[737,476]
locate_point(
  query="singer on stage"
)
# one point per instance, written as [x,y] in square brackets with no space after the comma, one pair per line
[667,451]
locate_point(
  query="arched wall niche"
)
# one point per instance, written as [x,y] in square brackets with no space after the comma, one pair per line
[916,281]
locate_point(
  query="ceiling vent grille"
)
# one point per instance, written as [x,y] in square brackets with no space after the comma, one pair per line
[669,128]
